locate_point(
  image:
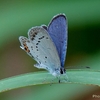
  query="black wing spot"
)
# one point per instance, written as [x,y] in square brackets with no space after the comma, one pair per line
[45,56]
[46,37]
[35,33]
[36,46]
[32,47]
[37,43]
[41,37]
[33,36]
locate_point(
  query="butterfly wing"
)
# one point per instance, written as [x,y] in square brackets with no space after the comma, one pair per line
[40,47]
[57,30]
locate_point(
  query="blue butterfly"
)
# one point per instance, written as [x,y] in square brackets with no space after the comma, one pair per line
[47,45]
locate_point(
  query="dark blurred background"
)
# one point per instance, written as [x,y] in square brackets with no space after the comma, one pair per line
[16,17]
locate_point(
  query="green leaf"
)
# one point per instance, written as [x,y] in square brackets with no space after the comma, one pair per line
[74,76]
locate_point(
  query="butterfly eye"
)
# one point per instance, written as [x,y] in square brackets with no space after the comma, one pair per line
[45,57]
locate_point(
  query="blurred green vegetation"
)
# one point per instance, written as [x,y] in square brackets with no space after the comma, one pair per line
[16,17]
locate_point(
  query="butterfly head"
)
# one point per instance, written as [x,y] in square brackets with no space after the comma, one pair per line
[58,72]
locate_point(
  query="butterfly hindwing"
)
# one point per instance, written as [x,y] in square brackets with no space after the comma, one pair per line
[41,48]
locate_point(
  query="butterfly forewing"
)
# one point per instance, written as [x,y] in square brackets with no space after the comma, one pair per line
[57,30]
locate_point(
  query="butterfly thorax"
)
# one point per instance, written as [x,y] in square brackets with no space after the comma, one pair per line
[58,71]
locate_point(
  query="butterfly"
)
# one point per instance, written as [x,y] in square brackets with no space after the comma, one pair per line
[47,45]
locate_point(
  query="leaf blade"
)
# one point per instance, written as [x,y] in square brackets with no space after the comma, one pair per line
[75,76]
